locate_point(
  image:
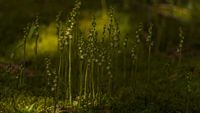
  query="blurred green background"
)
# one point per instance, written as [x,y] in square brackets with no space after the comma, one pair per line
[166,15]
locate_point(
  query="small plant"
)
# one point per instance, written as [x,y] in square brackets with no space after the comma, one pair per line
[81,54]
[149,47]
[36,33]
[135,54]
[65,41]
[69,36]
[149,44]
[51,86]
[92,51]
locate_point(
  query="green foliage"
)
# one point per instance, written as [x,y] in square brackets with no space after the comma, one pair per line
[100,72]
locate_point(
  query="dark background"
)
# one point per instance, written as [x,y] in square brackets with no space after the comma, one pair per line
[15,14]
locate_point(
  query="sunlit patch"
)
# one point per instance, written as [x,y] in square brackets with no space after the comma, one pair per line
[47,42]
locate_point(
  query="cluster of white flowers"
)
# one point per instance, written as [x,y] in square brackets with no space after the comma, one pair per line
[149,37]
[65,34]
[134,51]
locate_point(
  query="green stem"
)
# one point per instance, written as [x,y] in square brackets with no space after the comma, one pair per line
[36,45]
[55,100]
[92,76]
[98,78]
[81,80]
[148,65]
[60,69]
[70,68]
[134,74]
[124,65]
[66,76]
[85,85]
[23,67]
[148,76]
[110,86]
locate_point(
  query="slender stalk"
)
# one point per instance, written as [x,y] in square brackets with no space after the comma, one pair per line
[180,46]
[66,78]
[85,84]
[55,99]
[60,66]
[110,86]
[81,80]
[70,69]
[148,73]
[134,74]
[150,44]
[188,91]
[25,40]
[92,77]
[148,65]
[36,45]
[37,35]
[102,73]
[56,92]
[98,79]
[124,65]
[24,63]
[46,84]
